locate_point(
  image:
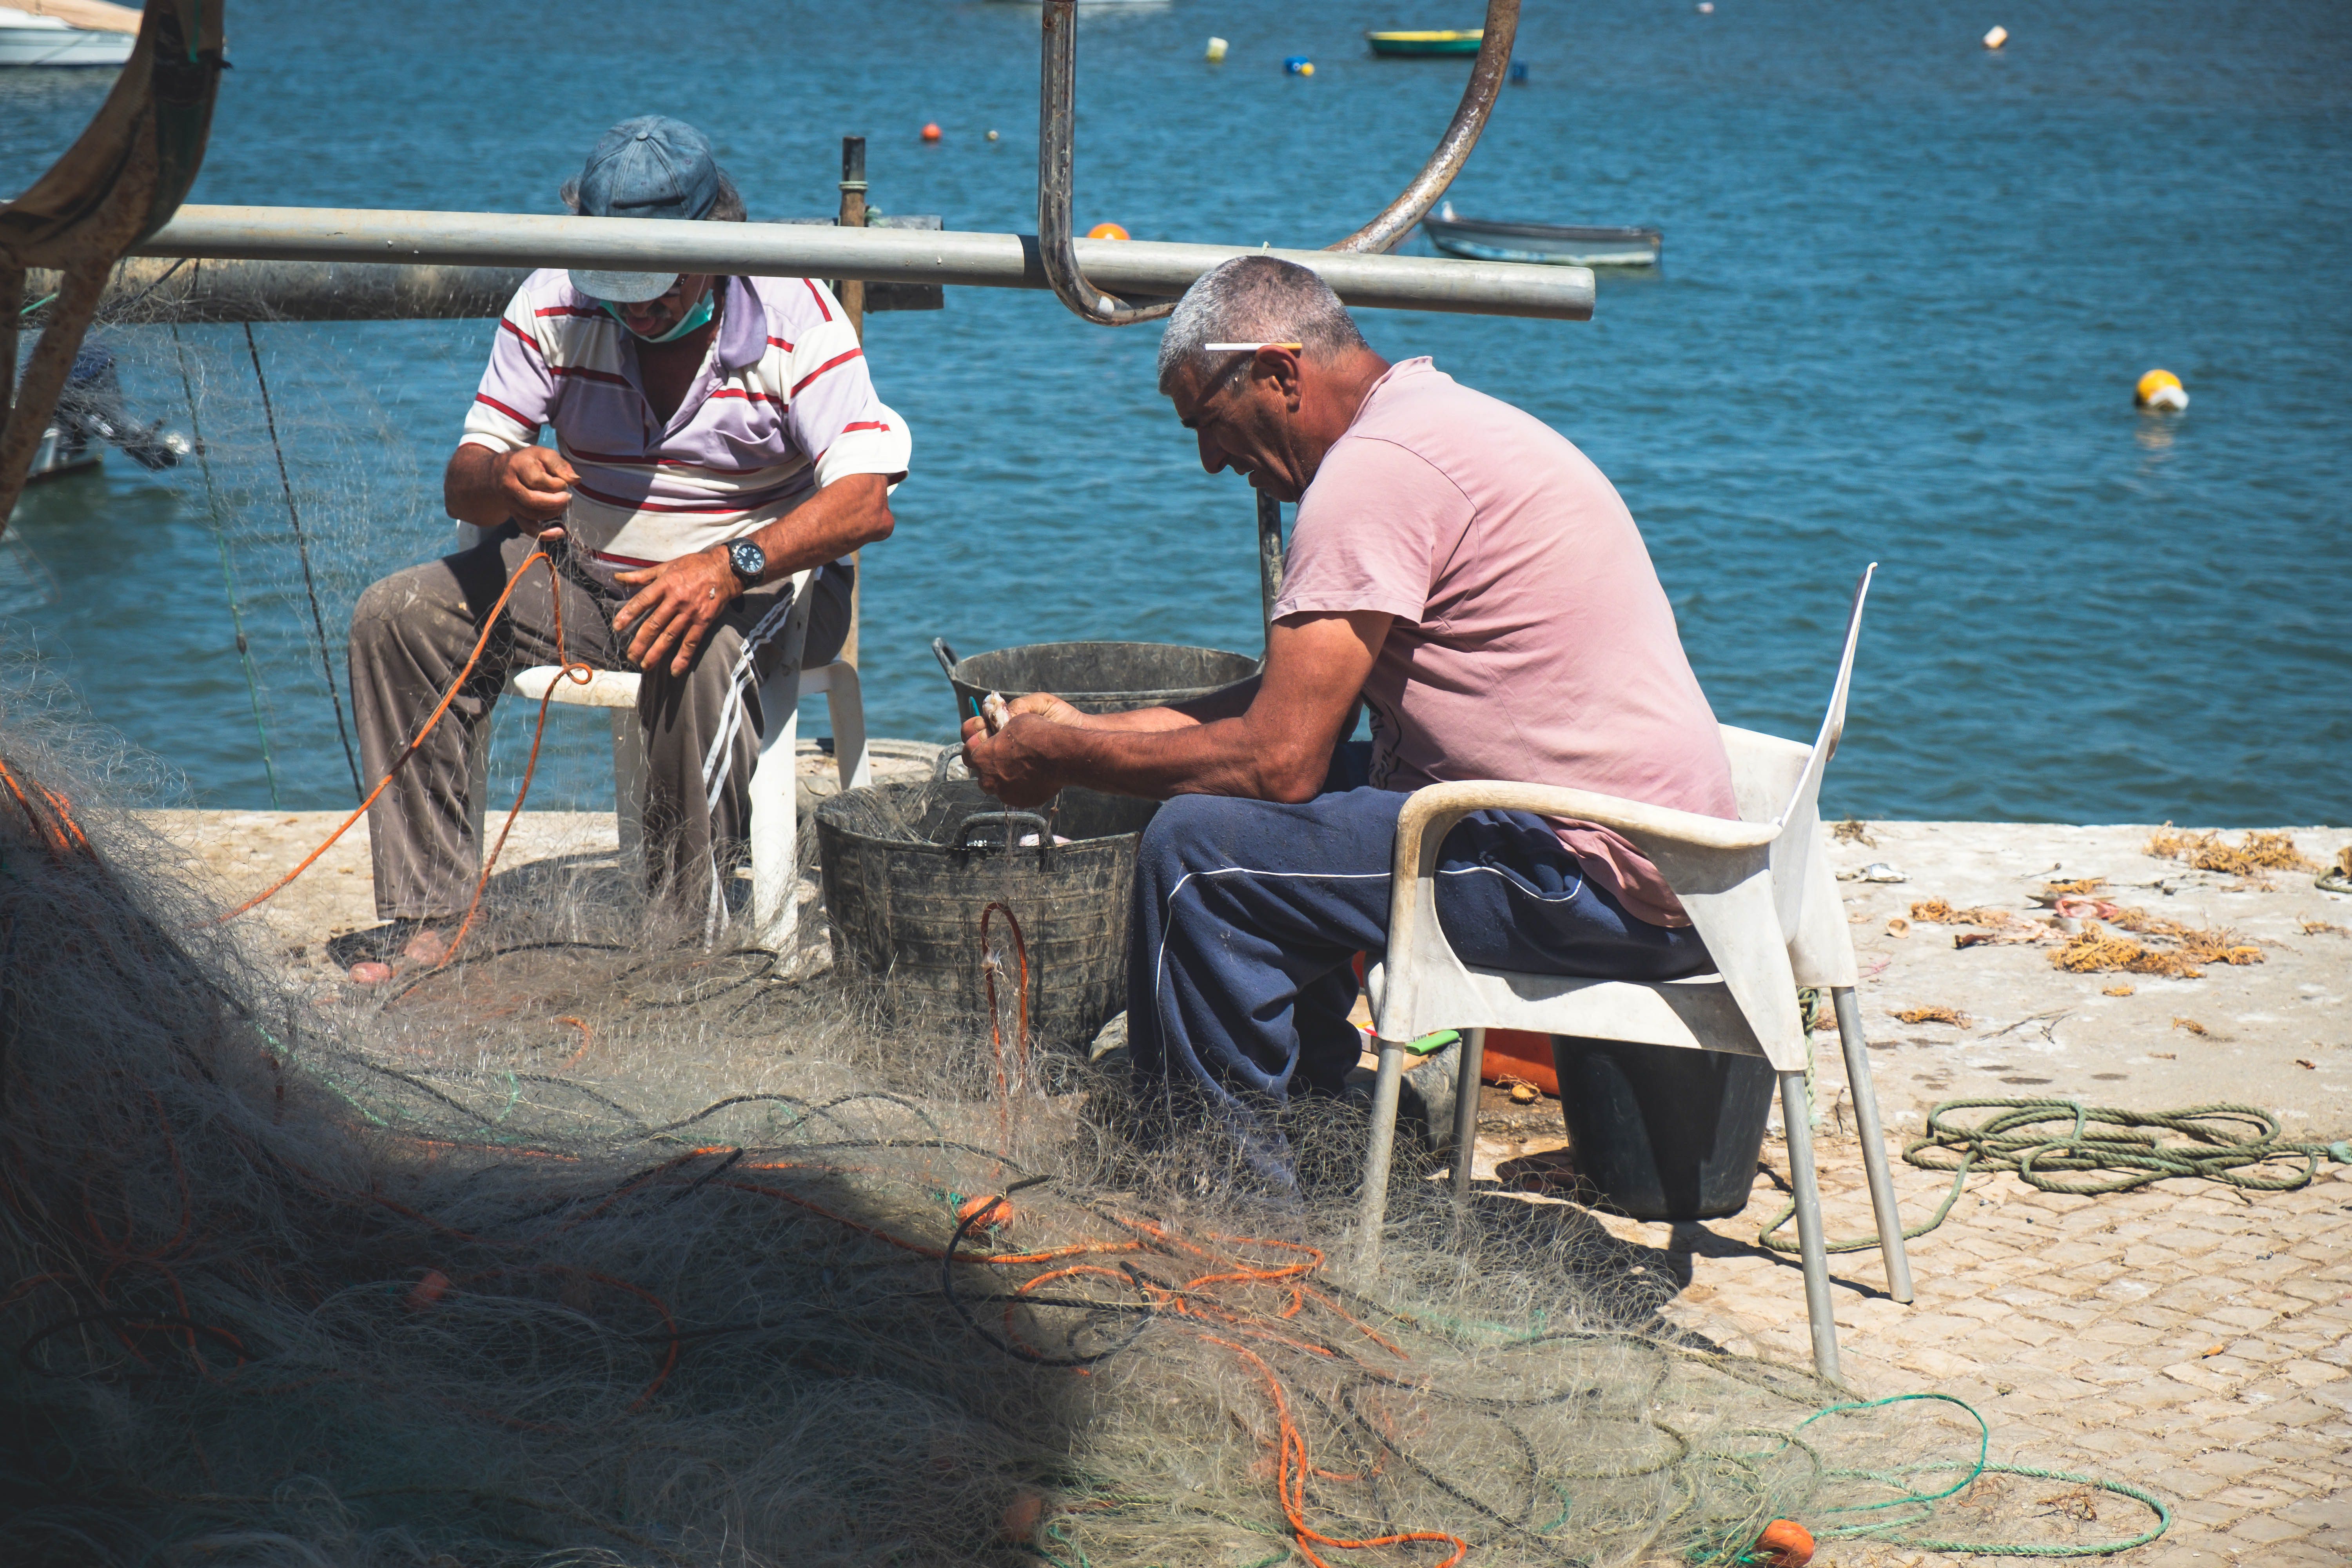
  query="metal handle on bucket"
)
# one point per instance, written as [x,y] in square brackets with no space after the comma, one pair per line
[963,832]
[946,656]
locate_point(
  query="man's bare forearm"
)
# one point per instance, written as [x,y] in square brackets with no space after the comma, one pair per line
[1222,756]
[1230,704]
[469,488]
[847,514]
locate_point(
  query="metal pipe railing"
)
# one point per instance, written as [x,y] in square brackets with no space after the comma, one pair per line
[1082,288]
[875,255]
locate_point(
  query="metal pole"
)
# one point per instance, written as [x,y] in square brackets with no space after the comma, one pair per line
[1372,1204]
[1804,1187]
[799,251]
[1057,73]
[1269,557]
[1466,1111]
[1874,1143]
[853,305]
[853,215]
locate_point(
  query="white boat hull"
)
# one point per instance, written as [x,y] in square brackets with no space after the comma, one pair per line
[33,44]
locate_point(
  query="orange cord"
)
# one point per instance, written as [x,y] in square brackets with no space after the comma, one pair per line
[578,673]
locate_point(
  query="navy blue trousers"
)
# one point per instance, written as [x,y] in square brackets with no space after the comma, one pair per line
[1248,912]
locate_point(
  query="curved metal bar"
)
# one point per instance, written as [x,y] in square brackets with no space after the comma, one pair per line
[1057,155]
[120,182]
[1486,74]
[1057,72]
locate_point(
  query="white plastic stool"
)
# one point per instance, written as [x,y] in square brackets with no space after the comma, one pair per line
[775,818]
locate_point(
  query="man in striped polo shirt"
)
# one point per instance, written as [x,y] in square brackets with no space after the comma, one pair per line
[712,436]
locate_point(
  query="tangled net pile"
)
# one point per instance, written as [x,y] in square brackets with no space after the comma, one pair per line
[487,1274]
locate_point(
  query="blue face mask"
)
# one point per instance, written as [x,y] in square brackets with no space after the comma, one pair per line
[693,320]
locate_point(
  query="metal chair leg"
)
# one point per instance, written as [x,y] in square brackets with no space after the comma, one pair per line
[1372,1204]
[1805,1187]
[1465,1110]
[1874,1143]
[630,766]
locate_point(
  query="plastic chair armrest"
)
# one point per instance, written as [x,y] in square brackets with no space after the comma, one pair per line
[1634,818]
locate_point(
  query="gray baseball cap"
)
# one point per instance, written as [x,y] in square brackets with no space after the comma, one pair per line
[652,167]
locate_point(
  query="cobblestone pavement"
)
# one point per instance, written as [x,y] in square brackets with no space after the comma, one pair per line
[2180,1338]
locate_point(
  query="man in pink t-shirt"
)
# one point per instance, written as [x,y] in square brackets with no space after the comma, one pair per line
[1472,577]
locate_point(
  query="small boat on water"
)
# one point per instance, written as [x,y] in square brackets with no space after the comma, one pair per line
[1450,41]
[66,33]
[1562,245]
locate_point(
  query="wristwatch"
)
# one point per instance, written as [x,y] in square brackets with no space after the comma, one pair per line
[751,561]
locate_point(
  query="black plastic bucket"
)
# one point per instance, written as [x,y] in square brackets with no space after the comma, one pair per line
[1094,677]
[1664,1133]
[909,870]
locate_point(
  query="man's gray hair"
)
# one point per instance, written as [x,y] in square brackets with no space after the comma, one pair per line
[1255,299]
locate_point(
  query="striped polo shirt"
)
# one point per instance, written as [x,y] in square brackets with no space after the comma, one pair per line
[782,406]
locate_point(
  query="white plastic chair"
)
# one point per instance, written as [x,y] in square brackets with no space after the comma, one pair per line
[775,817]
[1759,892]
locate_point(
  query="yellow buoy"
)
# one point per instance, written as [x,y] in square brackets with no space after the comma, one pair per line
[2160,391]
[1307,69]
[1217,51]
[1107,231]
[1997,37]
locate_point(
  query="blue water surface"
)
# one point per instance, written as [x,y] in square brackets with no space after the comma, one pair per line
[1908,286]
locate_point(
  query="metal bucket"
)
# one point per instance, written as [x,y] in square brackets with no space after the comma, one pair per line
[1094,677]
[909,870]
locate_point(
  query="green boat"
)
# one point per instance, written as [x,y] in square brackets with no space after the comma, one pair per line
[1449,42]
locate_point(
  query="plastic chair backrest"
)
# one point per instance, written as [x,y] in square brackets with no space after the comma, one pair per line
[1792,851]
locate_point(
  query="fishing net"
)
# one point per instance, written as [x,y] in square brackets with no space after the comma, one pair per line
[279,468]
[596,1246]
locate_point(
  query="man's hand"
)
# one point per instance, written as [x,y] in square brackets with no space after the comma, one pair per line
[679,602]
[531,487]
[536,485]
[1016,765]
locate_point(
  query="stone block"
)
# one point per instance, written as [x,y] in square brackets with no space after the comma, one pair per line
[2263,1531]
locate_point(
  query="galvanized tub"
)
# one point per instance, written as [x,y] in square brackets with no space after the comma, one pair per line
[1094,677]
[909,870]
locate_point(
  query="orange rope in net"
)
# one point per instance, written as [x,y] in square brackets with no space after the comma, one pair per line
[579,674]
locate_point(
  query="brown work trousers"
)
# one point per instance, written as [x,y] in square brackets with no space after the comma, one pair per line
[410,636]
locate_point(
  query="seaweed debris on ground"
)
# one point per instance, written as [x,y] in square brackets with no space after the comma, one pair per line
[2255,853]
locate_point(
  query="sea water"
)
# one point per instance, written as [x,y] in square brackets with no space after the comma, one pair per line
[1908,285]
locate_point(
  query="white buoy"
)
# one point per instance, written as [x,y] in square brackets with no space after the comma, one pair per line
[1217,51]
[1997,37]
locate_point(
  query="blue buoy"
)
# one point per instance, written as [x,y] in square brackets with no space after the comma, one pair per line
[1297,65]
[1519,72]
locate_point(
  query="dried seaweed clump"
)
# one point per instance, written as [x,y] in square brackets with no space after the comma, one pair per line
[2257,852]
[2094,952]
[1935,1014]
[1939,912]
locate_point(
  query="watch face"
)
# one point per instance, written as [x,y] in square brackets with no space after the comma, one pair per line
[750,560]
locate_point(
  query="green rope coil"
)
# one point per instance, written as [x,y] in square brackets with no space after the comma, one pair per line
[2224,1144]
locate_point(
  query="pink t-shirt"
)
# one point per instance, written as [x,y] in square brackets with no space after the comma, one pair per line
[1532,641]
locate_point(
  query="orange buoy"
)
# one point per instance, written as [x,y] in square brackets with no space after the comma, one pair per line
[1107,231]
[985,1213]
[1019,1525]
[426,1292]
[931,131]
[1785,1543]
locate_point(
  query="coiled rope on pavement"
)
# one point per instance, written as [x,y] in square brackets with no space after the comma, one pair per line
[2046,1143]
